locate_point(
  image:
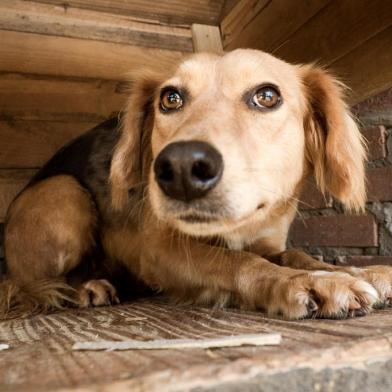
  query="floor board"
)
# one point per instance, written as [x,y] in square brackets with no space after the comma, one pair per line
[331,355]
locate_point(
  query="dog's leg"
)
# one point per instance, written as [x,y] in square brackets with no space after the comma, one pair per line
[254,281]
[296,258]
[49,228]
[380,276]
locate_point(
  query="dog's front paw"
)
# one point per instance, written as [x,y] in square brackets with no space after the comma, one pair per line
[380,277]
[322,294]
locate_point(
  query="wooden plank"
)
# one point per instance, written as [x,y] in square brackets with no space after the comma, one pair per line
[314,345]
[265,24]
[228,5]
[49,99]
[11,183]
[367,69]
[28,16]
[336,30]
[168,11]
[29,144]
[243,12]
[60,56]
[206,38]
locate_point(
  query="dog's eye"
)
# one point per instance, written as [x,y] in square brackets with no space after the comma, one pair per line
[170,100]
[266,97]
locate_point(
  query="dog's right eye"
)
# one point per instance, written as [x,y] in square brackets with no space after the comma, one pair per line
[266,97]
[170,100]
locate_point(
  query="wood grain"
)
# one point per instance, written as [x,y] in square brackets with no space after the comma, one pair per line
[336,30]
[60,56]
[367,69]
[228,5]
[350,37]
[29,144]
[48,19]
[206,38]
[240,15]
[313,345]
[25,97]
[11,183]
[168,11]
[265,25]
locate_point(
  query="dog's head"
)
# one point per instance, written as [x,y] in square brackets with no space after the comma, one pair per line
[229,138]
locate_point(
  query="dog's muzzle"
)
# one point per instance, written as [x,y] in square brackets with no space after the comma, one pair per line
[188,170]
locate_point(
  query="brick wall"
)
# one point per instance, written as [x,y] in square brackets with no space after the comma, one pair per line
[325,231]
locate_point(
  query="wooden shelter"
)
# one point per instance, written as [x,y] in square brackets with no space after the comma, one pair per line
[63,64]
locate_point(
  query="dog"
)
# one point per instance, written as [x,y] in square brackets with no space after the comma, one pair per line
[192,192]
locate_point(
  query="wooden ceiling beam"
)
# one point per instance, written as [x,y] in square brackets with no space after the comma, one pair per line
[171,12]
[70,57]
[367,69]
[265,24]
[352,38]
[336,30]
[32,17]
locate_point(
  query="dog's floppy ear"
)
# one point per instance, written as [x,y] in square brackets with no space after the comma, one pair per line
[334,144]
[127,161]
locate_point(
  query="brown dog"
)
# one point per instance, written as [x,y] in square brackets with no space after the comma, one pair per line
[194,195]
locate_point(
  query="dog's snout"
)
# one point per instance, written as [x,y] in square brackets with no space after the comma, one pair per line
[188,170]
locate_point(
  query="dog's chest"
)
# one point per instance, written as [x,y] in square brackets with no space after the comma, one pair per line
[240,240]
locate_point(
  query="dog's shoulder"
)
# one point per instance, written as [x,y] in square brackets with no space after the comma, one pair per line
[84,157]
[87,159]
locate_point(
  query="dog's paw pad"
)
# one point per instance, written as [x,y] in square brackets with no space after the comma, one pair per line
[312,308]
[97,293]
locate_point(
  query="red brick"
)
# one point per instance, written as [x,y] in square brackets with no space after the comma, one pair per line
[312,198]
[380,102]
[362,261]
[337,230]
[380,184]
[376,139]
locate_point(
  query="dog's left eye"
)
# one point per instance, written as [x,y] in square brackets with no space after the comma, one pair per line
[171,100]
[266,97]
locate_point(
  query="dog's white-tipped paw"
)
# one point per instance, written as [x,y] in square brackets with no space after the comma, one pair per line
[380,277]
[324,295]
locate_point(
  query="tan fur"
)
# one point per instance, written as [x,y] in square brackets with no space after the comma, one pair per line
[57,209]
[335,146]
[18,300]
[267,157]
[126,168]
[48,228]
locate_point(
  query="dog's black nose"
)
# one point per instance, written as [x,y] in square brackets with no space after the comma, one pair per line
[188,170]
